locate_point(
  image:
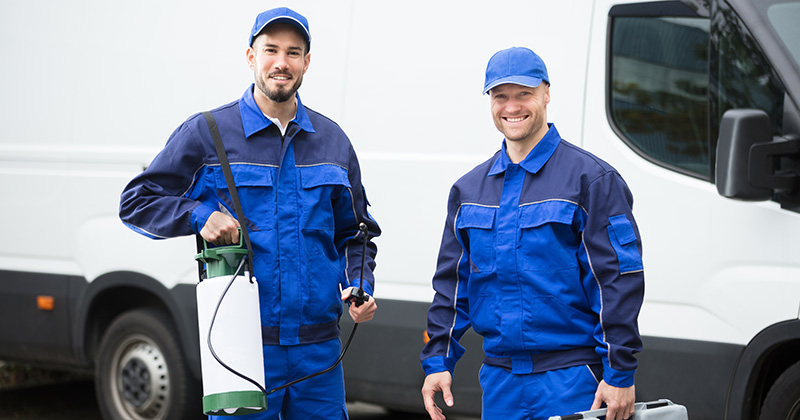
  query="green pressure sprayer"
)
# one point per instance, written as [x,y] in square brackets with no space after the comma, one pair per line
[229,317]
[229,320]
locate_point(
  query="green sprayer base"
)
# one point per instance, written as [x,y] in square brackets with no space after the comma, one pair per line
[234,403]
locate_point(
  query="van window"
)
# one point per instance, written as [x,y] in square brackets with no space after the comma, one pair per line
[658,89]
[783,18]
[743,77]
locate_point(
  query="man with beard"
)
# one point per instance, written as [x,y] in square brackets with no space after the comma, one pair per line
[541,256]
[299,185]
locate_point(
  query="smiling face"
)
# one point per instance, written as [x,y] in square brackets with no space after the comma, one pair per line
[279,60]
[520,112]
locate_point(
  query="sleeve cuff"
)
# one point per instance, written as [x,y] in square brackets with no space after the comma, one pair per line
[367,287]
[618,378]
[437,364]
[199,217]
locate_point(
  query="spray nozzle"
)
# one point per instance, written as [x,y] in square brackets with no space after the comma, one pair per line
[358,297]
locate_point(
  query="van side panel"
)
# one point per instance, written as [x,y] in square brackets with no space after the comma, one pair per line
[29,333]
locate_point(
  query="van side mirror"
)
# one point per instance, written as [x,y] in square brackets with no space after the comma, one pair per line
[749,160]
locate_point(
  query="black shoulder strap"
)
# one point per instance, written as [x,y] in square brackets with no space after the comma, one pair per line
[226,170]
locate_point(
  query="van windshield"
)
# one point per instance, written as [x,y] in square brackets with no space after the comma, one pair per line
[784,18]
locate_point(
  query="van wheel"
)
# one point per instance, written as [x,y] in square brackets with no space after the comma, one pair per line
[141,373]
[783,399]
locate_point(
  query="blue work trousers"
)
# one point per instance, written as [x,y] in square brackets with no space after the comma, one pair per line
[321,397]
[536,396]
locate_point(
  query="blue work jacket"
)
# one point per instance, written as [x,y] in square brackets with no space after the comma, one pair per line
[301,194]
[543,259]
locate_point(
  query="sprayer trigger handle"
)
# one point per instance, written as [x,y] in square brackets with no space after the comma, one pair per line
[358,296]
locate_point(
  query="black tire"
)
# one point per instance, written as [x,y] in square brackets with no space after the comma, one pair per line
[141,373]
[783,399]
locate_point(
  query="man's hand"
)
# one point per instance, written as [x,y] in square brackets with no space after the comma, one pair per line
[362,313]
[220,229]
[619,401]
[435,382]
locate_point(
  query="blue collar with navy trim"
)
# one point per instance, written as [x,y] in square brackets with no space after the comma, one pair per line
[536,158]
[253,120]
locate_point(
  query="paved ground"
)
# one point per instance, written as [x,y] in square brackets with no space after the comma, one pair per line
[75,401]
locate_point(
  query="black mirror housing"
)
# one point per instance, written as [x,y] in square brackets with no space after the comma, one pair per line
[740,129]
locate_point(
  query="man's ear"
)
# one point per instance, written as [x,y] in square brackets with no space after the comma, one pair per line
[251,58]
[306,62]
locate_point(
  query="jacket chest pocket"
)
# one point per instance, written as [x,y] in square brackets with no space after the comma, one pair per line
[547,240]
[476,226]
[323,189]
[254,185]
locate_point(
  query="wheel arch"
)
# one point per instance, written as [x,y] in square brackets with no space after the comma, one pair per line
[767,355]
[113,294]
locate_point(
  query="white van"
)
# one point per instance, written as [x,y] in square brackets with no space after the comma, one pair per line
[90,91]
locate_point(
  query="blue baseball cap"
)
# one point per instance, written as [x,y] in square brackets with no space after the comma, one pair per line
[280,14]
[516,65]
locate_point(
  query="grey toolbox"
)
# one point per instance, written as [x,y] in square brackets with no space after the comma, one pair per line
[654,410]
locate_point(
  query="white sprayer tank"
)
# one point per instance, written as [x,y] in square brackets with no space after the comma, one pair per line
[235,336]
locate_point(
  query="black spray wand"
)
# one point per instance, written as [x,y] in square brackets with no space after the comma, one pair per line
[358,294]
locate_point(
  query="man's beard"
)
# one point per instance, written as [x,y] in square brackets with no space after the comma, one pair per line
[279,94]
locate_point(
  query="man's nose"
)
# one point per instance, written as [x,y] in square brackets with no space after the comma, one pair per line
[513,105]
[281,62]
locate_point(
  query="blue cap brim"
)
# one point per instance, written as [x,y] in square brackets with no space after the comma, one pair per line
[528,81]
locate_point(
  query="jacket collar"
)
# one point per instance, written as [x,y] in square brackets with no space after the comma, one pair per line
[253,120]
[536,159]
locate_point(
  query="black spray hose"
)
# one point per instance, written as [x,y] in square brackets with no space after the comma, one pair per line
[358,295]
[341,356]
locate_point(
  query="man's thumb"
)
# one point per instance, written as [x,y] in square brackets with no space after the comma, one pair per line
[448,396]
[598,402]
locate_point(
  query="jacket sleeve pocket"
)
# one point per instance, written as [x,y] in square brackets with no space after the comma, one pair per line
[623,239]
